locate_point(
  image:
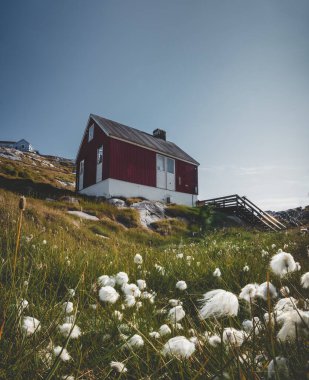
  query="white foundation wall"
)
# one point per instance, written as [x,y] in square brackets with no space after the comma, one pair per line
[115,188]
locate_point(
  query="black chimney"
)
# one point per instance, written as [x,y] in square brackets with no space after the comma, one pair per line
[159,134]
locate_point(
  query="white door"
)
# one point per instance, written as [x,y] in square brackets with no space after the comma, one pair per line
[161,174]
[99,164]
[81,175]
[170,174]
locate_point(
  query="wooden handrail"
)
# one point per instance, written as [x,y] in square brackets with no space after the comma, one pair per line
[242,203]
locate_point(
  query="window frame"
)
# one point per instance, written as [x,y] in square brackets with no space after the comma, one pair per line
[91,132]
[100,155]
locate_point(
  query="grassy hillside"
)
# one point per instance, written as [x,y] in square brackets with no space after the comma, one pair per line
[60,258]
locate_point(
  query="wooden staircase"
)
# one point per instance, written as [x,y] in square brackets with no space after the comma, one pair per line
[244,209]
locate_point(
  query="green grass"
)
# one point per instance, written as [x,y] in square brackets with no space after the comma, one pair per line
[59,252]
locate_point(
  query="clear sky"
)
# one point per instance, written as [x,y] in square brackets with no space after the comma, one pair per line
[228,80]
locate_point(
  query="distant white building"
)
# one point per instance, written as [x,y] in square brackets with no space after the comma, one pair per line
[22,145]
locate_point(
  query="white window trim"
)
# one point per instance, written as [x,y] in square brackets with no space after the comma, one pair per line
[91,132]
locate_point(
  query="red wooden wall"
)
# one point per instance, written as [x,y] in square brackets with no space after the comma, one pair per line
[187,173]
[132,163]
[128,162]
[88,152]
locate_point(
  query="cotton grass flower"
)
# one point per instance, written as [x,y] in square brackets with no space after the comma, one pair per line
[181,285]
[217,273]
[118,315]
[284,291]
[131,289]
[155,335]
[62,353]
[138,259]
[282,263]
[285,304]
[179,346]
[23,305]
[30,325]
[233,337]
[130,301]
[70,330]
[141,284]
[246,268]
[214,340]
[106,280]
[176,314]
[121,278]
[219,303]
[118,367]
[249,292]
[164,330]
[304,281]
[295,325]
[264,289]
[174,302]
[136,341]
[108,294]
[68,307]
[278,369]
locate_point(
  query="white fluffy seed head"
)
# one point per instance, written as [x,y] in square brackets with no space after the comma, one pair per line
[138,259]
[233,337]
[249,292]
[106,280]
[164,330]
[62,353]
[219,303]
[181,285]
[304,281]
[282,263]
[30,325]
[108,294]
[68,307]
[122,278]
[179,346]
[284,291]
[131,289]
[295,325]
[119,367]
[214,340]
[141,284]
[68,329]
[278,369]
[217,272]
[130,301]
[266,289]
[154,334]
[174,302]
[136,341]
[176,314]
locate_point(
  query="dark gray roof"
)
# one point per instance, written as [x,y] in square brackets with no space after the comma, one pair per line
[114,129]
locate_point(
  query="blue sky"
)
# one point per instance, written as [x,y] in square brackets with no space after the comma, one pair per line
[228,81]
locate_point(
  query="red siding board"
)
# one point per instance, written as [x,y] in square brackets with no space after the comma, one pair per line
[88,152]
[132,163]
[186,177]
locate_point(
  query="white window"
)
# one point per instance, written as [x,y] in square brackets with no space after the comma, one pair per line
[100,155]
[170,165]
[160,163]
[81,167]
[90,132]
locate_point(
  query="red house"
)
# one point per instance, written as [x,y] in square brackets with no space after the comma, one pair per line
[116,160]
